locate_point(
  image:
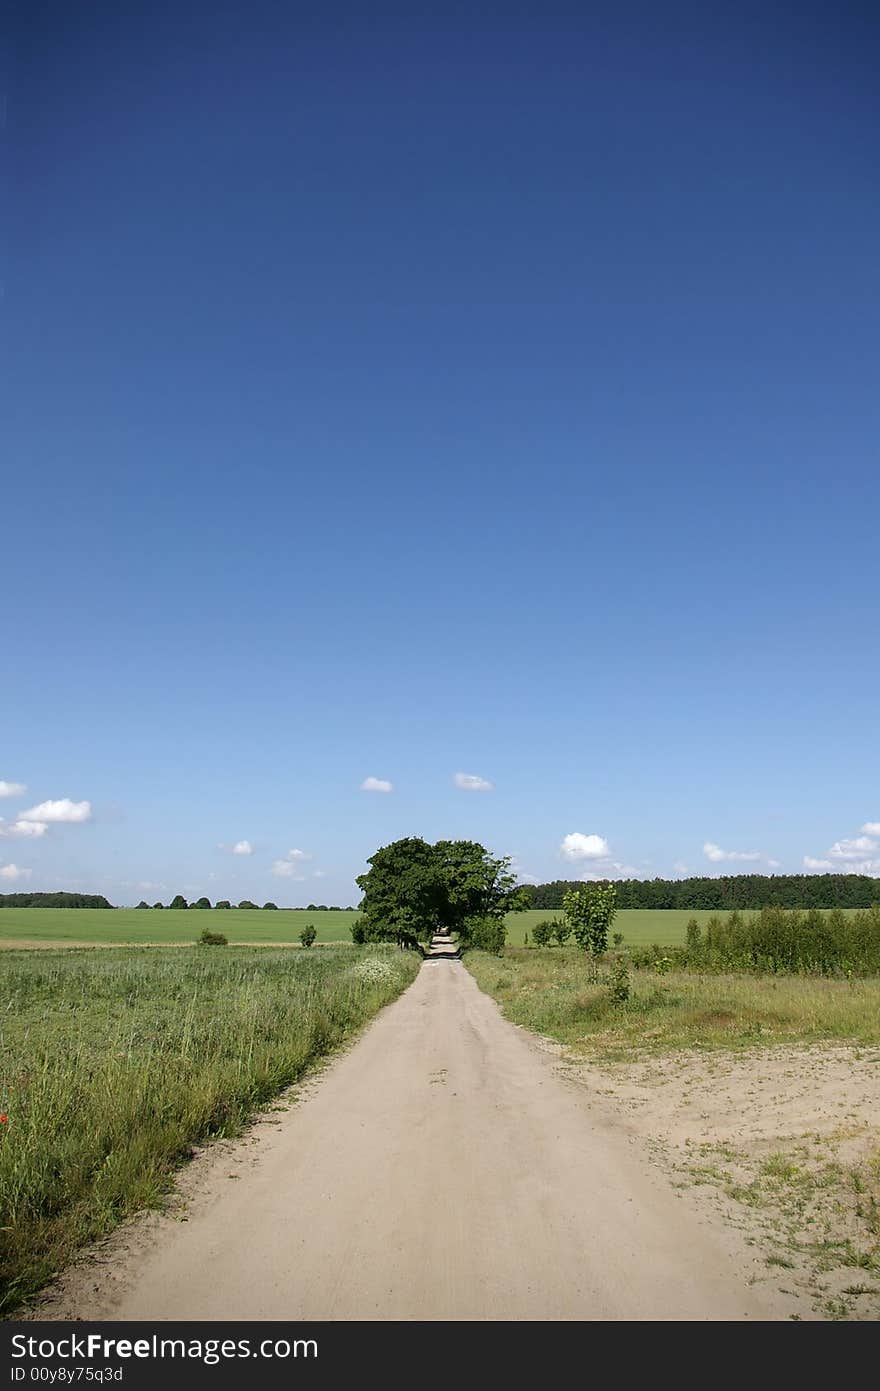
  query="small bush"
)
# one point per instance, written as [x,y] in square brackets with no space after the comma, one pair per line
[486,934]
[374,970]
[308,935]
[561,931]
[618,981]
[542,932]
[359,932]
[212,939]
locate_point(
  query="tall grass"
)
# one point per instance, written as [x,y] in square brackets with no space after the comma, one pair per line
[780,940]
[114,1062]
[562,993]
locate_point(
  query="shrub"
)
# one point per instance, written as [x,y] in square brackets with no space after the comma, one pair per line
[246,903]
[561,931]
[777,940]
[485,934]
[308,935]
[271,905]
[591,911]
[201,903]
[374,970]
[542,932]
[618,981]
[359,932]
[223,903]
[212,939]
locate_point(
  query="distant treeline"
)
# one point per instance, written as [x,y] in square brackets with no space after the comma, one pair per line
[54,901]
[729,892]
[180,902]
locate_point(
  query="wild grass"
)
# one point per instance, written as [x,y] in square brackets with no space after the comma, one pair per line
[561,993]
[114,1063]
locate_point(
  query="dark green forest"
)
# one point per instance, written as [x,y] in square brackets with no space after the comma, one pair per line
[59,900]
[728,892]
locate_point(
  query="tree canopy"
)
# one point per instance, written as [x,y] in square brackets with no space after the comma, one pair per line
[53,900]
[413,887]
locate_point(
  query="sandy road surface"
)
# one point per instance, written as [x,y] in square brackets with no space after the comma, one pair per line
[440,1169]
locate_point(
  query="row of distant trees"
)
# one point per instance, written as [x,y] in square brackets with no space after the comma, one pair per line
[727,892]
[59,900]
[180,902]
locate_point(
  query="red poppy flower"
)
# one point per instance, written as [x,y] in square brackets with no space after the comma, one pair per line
[3,1118]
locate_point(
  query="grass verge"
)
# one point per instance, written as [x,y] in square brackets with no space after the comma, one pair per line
[562,993]
[114,1063]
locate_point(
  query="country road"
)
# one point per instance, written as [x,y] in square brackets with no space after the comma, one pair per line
[439,1169]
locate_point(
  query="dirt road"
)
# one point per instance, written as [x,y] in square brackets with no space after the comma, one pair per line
[441,1169]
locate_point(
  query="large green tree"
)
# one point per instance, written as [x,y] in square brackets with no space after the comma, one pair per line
[413,888]
[403,893]
[477,885]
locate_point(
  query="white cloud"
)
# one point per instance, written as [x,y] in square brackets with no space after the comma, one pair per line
[857,855]
[13,872]
[298,855]
[470,782]
[11,789]
[242,847]
[853,849]
[25,828]
[376,785]
[577,846]
[63,810]
[286,869]
[716,854]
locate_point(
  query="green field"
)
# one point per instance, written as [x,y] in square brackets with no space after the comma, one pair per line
[132,926]
[114,1063]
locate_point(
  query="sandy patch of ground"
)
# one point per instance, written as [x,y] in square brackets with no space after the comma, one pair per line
[783,1142]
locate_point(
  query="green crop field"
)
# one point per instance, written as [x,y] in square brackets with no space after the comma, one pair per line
[137,926]
[640,926]
[114,1063]
[133,926]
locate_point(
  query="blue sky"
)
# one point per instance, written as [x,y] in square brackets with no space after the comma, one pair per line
[438,393]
